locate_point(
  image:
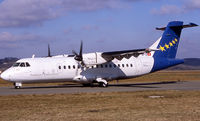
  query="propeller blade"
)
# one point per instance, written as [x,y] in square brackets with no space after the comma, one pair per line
[74,52]
[49,51]
[81,50]
[79,57]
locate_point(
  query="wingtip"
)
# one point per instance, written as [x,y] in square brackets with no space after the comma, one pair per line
[193,24]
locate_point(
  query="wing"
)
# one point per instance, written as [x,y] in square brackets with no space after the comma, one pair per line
[125,54]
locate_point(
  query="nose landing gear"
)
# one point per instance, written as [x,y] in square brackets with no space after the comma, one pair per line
[17,85]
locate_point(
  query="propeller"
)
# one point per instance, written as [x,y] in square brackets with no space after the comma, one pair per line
[79,57]
[49,51]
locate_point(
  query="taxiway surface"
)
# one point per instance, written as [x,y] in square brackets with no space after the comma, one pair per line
[74,88]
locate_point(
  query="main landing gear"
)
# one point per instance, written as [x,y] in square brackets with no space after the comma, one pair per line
[17,85]
[102,82]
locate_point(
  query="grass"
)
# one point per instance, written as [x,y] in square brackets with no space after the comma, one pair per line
[167,76]
[121,106]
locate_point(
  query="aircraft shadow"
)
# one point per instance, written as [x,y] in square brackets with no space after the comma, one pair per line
[143,85]
[55,86]
[138,85]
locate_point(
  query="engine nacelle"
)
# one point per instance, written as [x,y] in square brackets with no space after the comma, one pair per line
[83,79]
[91,59]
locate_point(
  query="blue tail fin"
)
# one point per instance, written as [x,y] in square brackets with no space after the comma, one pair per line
[167,45]
[169,41]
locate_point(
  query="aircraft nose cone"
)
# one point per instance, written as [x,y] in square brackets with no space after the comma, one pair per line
[5,76]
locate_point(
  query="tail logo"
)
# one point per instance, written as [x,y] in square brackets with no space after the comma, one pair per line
[167,46]
[162,48]
[170,44]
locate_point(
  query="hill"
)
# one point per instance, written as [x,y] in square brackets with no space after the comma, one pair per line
[189,64]
[7,62]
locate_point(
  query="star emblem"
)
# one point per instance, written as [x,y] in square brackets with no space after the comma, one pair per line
[176,40]
[162,48]
[170,44]
[173,42]
[167,46]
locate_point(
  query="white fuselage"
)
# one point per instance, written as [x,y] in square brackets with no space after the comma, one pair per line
[57,69]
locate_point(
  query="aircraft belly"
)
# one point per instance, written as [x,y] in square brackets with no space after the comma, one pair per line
[107,73]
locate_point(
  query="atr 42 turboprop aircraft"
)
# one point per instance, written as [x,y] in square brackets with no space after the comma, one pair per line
[100,67]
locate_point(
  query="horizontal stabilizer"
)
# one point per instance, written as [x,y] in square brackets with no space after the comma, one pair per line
[183,26]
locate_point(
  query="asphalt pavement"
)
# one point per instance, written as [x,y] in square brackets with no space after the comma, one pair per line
[76,88]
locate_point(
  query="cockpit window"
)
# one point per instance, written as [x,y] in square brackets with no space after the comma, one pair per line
[27,64]
[22,65]
[16,64]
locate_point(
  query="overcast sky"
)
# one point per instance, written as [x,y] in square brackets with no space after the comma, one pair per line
[27,26]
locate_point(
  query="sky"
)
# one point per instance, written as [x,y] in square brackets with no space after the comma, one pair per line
[28,26]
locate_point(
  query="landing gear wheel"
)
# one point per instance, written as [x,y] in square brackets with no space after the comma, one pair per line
[102,84]
[17,85]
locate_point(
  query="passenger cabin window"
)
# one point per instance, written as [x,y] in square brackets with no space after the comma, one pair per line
[122,65]
[74,66]
[64,67]
[118,65]
[69,67]
[59,67]
[106,65]
[131,65]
